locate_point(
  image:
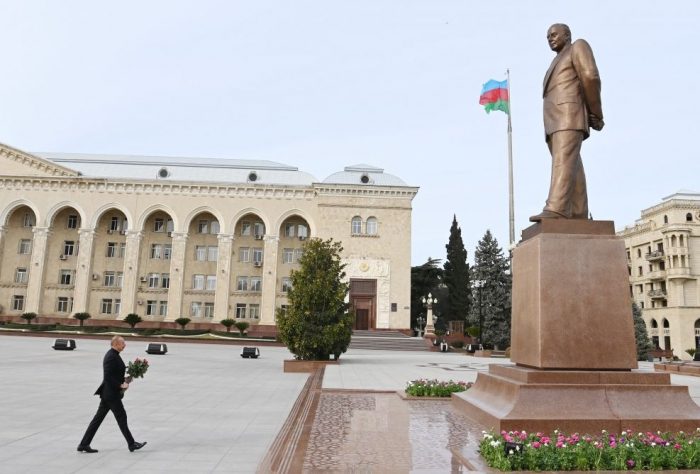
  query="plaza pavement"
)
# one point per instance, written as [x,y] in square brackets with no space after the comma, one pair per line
[202,408]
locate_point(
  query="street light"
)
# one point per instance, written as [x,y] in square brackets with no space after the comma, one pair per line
[430,319]
[479,284]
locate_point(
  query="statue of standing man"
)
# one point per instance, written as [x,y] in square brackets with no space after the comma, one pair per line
[571,107]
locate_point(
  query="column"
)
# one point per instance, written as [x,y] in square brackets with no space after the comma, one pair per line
[131,268]
[3,231]
[223,277]
[269,280]
[36,269]
[83,270]
[177,270]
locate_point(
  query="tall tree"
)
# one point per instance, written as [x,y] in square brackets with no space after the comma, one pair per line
[492,266]
[456,276]
[318,321]
[640,333]
[425,279]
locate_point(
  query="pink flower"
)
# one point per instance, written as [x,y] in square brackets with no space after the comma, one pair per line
[613,444]
[545,440]
[572,442]
[503,433]
[523,436]
[539,435]
[677,446]
[560,444]
[536,444]
[588,439]
[630,463]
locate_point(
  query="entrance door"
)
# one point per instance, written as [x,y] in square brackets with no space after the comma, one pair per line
[364,314]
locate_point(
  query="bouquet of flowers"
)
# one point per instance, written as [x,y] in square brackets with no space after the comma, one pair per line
[136,370]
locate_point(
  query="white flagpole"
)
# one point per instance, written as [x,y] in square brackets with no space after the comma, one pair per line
[510,166]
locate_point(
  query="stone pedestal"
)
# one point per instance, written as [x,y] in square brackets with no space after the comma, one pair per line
[573,344]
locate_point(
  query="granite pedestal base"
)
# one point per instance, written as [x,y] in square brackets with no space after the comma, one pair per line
[520,398]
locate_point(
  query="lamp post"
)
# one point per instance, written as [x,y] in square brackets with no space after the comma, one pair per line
[428,302]
[479,284]
[420,321]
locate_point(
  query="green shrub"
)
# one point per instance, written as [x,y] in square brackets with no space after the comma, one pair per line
[439,332]
[184,332]
[241,326]
[691,352]
[228,322]
[28,317]
[95,329]
[228,334]
[472,331]
[458,344]
[82,317]
[151,332]
[318,321]
[132,319]
[433,388]
[507,354]
[183,322]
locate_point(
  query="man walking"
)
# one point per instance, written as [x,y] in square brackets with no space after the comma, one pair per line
[111,398]
[571,107]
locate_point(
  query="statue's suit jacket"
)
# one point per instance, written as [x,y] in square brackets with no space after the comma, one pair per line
[571,90]
[113,369]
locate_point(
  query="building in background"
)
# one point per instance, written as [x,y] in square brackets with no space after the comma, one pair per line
[663,259]
[207,239]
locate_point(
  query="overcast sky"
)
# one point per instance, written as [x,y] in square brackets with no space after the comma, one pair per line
[326,84]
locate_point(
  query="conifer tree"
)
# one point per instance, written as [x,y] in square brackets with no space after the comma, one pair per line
[640,333]
[425,279]
[456,276]
[492,266]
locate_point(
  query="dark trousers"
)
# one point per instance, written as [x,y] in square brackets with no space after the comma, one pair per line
[568,196]
[117,408]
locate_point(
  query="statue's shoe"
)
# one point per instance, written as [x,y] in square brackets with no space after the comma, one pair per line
[545,215]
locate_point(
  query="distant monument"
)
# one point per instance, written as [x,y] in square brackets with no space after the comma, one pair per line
[572,336]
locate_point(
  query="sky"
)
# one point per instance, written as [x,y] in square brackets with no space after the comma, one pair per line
[326,84]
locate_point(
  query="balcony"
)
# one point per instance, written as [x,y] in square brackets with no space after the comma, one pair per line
[657,275]
[679,273]
[655,256]
[657,294]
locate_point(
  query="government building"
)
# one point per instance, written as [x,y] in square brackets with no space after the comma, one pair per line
[207,239]
[663,259]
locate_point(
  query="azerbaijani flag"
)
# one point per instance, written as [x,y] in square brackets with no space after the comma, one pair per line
[494,96]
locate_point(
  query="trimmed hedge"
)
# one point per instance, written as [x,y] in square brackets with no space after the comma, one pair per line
[184,332]
[32,327]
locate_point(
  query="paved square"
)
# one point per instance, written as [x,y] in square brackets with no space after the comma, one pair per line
[202,408]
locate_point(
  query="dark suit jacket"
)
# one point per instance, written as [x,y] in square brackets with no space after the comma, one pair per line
[571,90]
[113,377]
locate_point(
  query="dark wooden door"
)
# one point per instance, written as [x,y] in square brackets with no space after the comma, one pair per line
[362,319]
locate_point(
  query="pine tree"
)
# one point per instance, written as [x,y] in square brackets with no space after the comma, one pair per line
[491,266]
[456,276]
[640,333]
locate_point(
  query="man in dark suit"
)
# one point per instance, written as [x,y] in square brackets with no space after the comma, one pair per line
[572,107]
[111,398]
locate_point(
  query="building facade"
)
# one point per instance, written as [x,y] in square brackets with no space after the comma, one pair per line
[207,239]
[663,258]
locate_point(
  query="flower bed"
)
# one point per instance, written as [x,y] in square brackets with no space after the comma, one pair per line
[433,388]
[559,452]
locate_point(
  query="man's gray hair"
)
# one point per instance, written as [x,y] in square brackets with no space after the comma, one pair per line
[564,27]
[115,339]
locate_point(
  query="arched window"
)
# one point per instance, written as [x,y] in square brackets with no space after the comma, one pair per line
[673,241]
[649,249]
[697,324]
[665,219]
[666,325]
[689,217]
[680,241]
[639,253]
[372,226]
[654,324]
[356,225]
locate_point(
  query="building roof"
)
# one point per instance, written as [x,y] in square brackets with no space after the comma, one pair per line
[364,175]
[182,169]
[684,194]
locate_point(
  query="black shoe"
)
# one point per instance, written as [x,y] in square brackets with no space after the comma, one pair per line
[136,446]
[86,449]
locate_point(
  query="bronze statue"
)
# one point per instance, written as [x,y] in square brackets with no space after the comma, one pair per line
[571,107]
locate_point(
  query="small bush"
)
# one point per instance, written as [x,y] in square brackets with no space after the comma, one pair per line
[242,326]
[458,344]
[82,317]
[132,319]
[507,353]
[433,388]
[439,332]
[28,317]
[184,332]
[691,352]
[228,322]
[183,322]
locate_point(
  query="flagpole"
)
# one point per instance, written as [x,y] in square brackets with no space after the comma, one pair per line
[510,166]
